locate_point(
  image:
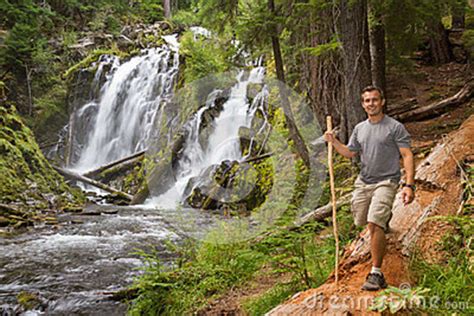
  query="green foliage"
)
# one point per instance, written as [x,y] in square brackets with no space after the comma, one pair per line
[50,109]
[469,18]
[344,175]
[152,10]
[93,57]
[20,44]
[408,24]
[271,298]
[206,271]
[403,30]
[468,42]
[204,56]
[450,281]
[185,18]
[27,300]
[216,14]
[32,56]
[321,50]
[396,300]
[306,254]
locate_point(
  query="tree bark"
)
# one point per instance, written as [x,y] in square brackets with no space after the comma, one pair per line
[353,33]
[295,135]
[167,8]
[458,15]
[402,107]
[440,48]
[70,140]
[323,72]
[28,84]
[377,49]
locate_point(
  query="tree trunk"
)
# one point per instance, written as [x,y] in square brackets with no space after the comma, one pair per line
[377,49]
[354,35]
[118,164]
[439,45]
[70,141]
[458,15]
[295,135]
[324,72]
[28,84]
[81,178]
[167,8]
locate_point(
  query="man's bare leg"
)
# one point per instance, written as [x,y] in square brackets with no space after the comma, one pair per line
[376,280]
[377,244]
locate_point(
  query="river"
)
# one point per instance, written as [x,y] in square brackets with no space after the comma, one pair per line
[75,267]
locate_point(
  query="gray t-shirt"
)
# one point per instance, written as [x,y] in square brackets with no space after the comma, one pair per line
[378,146]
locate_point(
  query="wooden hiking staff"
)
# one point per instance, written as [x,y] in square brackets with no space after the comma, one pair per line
[333,198]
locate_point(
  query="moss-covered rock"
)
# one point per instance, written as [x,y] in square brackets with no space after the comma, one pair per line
[28,182]
[231,186]
[28,300]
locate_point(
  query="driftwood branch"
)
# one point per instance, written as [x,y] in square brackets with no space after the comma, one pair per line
[436,108]
[78,177]
[120,163]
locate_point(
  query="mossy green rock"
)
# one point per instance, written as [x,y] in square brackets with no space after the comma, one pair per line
[28,300]
[27,178]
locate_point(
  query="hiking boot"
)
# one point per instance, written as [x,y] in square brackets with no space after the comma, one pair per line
[374,282]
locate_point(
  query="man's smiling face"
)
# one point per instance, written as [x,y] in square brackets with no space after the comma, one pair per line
[372,102]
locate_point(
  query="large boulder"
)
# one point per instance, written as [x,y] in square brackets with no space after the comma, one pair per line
[230,185]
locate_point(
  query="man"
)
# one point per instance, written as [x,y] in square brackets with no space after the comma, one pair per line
[379,140]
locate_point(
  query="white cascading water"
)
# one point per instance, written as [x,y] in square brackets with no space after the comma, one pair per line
[131,98]
[129,101]
[223,143]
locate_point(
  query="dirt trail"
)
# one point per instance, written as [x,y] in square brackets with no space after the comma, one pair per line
[439,193]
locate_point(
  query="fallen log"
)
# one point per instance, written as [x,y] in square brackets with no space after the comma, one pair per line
[258,157]
[120,163]
[318,215]
[404,106]
[321,213]
[436,108]
[81,178]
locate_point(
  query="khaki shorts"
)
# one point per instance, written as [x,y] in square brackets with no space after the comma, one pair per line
[373,202]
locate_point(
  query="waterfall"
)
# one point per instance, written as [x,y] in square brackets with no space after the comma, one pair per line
[223,142]
[128,102]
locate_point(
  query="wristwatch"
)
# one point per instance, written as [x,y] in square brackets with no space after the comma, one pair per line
[411,186]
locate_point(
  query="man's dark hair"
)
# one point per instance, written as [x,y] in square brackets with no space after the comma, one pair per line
[373,88]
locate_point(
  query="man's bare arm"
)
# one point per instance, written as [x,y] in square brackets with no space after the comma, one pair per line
[409,164]
[340,147]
